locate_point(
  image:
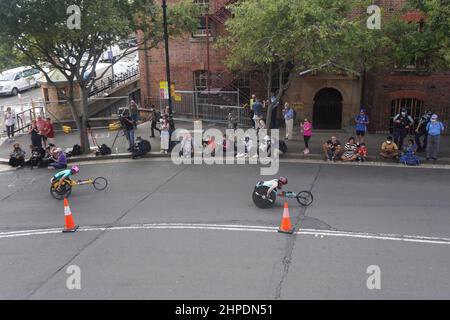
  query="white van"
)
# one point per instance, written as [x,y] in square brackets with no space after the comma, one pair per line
[19,79]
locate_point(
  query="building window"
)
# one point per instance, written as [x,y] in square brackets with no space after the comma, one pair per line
[200,80]
[414,107]
[204,3]
[201,31]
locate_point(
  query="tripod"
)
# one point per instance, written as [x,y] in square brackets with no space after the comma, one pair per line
[120,131]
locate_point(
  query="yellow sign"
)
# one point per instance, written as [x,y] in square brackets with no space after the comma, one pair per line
[177,98]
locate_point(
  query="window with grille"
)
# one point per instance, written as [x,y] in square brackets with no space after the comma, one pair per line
[201,80]
[202,30]
[414,106]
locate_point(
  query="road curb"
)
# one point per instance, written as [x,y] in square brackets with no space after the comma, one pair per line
[288,156]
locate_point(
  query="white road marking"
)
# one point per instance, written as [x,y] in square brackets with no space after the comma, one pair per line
[246,228]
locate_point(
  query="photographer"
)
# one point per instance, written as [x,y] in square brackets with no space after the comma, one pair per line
[128,128]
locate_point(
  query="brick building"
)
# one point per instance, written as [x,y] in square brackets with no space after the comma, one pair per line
[330,99]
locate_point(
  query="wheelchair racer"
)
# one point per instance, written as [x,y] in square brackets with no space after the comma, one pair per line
[65,174]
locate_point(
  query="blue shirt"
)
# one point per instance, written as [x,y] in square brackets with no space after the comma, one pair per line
[361,122]
[289,114]
[257,108]
[435,129]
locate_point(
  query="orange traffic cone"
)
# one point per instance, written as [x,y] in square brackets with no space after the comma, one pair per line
[70,224]
[286,226]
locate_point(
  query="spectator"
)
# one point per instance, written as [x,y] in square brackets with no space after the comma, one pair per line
[409,155]
[350,150]
[17,158]
[361,152]
[37,156]
[154,119]
[306,130]
[232,121]
[61,162]
[10,121]
[258,113]
[49,131]
[389,149]
[134,111]
[288,114]
[434,128]
[265,146]
[332,149]
[211,146]
[362,120]
[421,131]
[40,123]
[248,146]
[251,113]
[186,146]
[36,139]
[142,148]
[402,124]
[165,134]
[276,104]
[128,128]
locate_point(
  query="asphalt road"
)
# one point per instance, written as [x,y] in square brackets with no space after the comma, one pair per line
[162,231]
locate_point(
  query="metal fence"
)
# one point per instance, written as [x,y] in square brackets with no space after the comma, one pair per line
[213,106]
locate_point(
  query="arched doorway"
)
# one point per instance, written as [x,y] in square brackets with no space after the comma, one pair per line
[327,112]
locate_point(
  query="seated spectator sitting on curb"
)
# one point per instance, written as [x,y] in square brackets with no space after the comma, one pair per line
[141,148]
[37,155]
[61,160]
[350,150]
[332,149]
[409,154]
[361,152]
[247,145]
[17,158]
[389,149]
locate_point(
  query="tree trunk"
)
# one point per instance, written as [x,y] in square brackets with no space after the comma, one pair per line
[84,119]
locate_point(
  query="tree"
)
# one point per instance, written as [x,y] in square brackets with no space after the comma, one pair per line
[423,39]
[286,36]
[39,33]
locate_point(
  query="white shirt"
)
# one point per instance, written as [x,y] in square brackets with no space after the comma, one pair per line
[10,119]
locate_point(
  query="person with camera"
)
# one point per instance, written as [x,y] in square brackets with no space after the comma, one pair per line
[127,124]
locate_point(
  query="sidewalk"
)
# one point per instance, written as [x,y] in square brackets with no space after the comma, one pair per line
[295,146]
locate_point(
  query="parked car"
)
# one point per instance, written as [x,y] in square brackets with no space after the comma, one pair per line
[19,79]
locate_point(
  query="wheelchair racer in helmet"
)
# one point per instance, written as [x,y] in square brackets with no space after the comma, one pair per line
[275,185]
[65,174]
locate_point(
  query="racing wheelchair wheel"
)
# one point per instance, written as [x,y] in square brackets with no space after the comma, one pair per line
[305,198]
[258,199]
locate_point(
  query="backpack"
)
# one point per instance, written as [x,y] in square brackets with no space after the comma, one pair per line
[104,150]
[76,150]
[283,146]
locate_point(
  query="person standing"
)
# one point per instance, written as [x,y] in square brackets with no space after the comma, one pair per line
[40,123]
[154,119]
[128,128]
[362,120]
[288,114]
[134,110]
[165,134]
[434,128]
[421,131]
[10,121]
[306,129]
[49,131]
[251,113]
[258,112]
[36,139]
[402,123]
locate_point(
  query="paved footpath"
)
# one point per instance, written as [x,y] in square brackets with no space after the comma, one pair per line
[295,146]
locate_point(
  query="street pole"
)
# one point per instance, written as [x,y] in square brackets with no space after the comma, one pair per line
[166,42]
